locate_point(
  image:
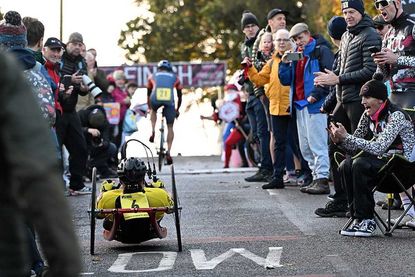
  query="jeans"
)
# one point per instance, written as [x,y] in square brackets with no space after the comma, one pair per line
[258,121]
[313,136]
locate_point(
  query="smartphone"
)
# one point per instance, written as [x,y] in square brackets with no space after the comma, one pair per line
[66,80]
[374,49]
[295,56]
[332,120]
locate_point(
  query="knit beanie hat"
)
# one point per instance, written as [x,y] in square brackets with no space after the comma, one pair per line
[75,37]
[12,31]
[336,27]
[248,18]
[375,88]
[97,118]
[354,4]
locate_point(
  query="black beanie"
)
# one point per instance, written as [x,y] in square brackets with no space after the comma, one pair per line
[97,118]
[375,88]
[354,4]
[336,27]
[248,18]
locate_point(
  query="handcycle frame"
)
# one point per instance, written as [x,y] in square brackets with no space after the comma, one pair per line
[158,231]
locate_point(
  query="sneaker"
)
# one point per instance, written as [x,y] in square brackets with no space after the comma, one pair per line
[351,231]
[411,223]
[307,183]
[82,191]
[405,219]
[290,177]
[330,197]
[262,175]
[169,159]
[321,186]
[332,209]
[274,184]
[366,229]
[151,139]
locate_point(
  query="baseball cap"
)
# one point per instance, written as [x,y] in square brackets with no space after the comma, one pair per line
[274,12]
[54,43]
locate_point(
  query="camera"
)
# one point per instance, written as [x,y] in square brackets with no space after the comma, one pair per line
[66,81]
[295,56]
[96,141]
[241,78]
[92,87]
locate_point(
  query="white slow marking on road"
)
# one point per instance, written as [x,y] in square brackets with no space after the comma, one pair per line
[87,273]
[166,262]
[291,211]
[342,268]
[271,261]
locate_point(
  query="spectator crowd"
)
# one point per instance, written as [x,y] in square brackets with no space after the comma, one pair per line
[309,105]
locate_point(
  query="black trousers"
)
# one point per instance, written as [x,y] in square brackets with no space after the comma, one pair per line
[358,176]
[69,131]
[348,115]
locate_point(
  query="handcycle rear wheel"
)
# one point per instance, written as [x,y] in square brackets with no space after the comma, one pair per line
[92,211]
[176,210]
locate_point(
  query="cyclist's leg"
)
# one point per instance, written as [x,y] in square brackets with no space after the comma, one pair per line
[153,118]
[169,113]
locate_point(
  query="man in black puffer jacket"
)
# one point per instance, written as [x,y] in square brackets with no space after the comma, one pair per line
[355,67]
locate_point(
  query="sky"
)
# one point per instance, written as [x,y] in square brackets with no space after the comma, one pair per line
[99,21]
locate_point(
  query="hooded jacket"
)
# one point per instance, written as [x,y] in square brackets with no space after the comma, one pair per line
[356,65]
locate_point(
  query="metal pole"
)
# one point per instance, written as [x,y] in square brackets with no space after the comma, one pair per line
[61,20]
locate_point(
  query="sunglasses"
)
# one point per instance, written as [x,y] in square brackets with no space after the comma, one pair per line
[383,3]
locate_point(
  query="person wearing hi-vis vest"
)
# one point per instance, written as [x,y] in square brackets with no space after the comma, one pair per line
[160,89]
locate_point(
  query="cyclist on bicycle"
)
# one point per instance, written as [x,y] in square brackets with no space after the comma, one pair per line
[160,88]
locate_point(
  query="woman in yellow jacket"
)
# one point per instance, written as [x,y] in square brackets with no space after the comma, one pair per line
[279,106]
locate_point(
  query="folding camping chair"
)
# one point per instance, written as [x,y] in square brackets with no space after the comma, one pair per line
[396,176]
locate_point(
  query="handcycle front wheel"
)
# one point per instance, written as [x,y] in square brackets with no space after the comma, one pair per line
[92,211]
[176,210]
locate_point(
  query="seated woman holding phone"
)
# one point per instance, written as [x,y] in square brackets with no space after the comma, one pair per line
[384,130]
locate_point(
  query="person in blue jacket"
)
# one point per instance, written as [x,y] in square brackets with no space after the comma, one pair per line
[297,71]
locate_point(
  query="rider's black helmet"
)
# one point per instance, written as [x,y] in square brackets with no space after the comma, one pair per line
[131,171]
[165,64]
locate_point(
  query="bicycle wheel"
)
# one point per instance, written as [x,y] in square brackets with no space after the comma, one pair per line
[177,210]
[161,151]
[92,210]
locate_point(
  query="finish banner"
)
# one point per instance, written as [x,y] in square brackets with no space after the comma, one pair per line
[205,74]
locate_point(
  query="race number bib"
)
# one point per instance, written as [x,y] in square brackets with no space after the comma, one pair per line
[163,94]
[134,200]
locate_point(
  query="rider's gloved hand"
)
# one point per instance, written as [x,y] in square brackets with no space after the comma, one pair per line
[177,113]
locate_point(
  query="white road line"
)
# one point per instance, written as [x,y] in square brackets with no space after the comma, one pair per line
[292,212]
[342,268]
